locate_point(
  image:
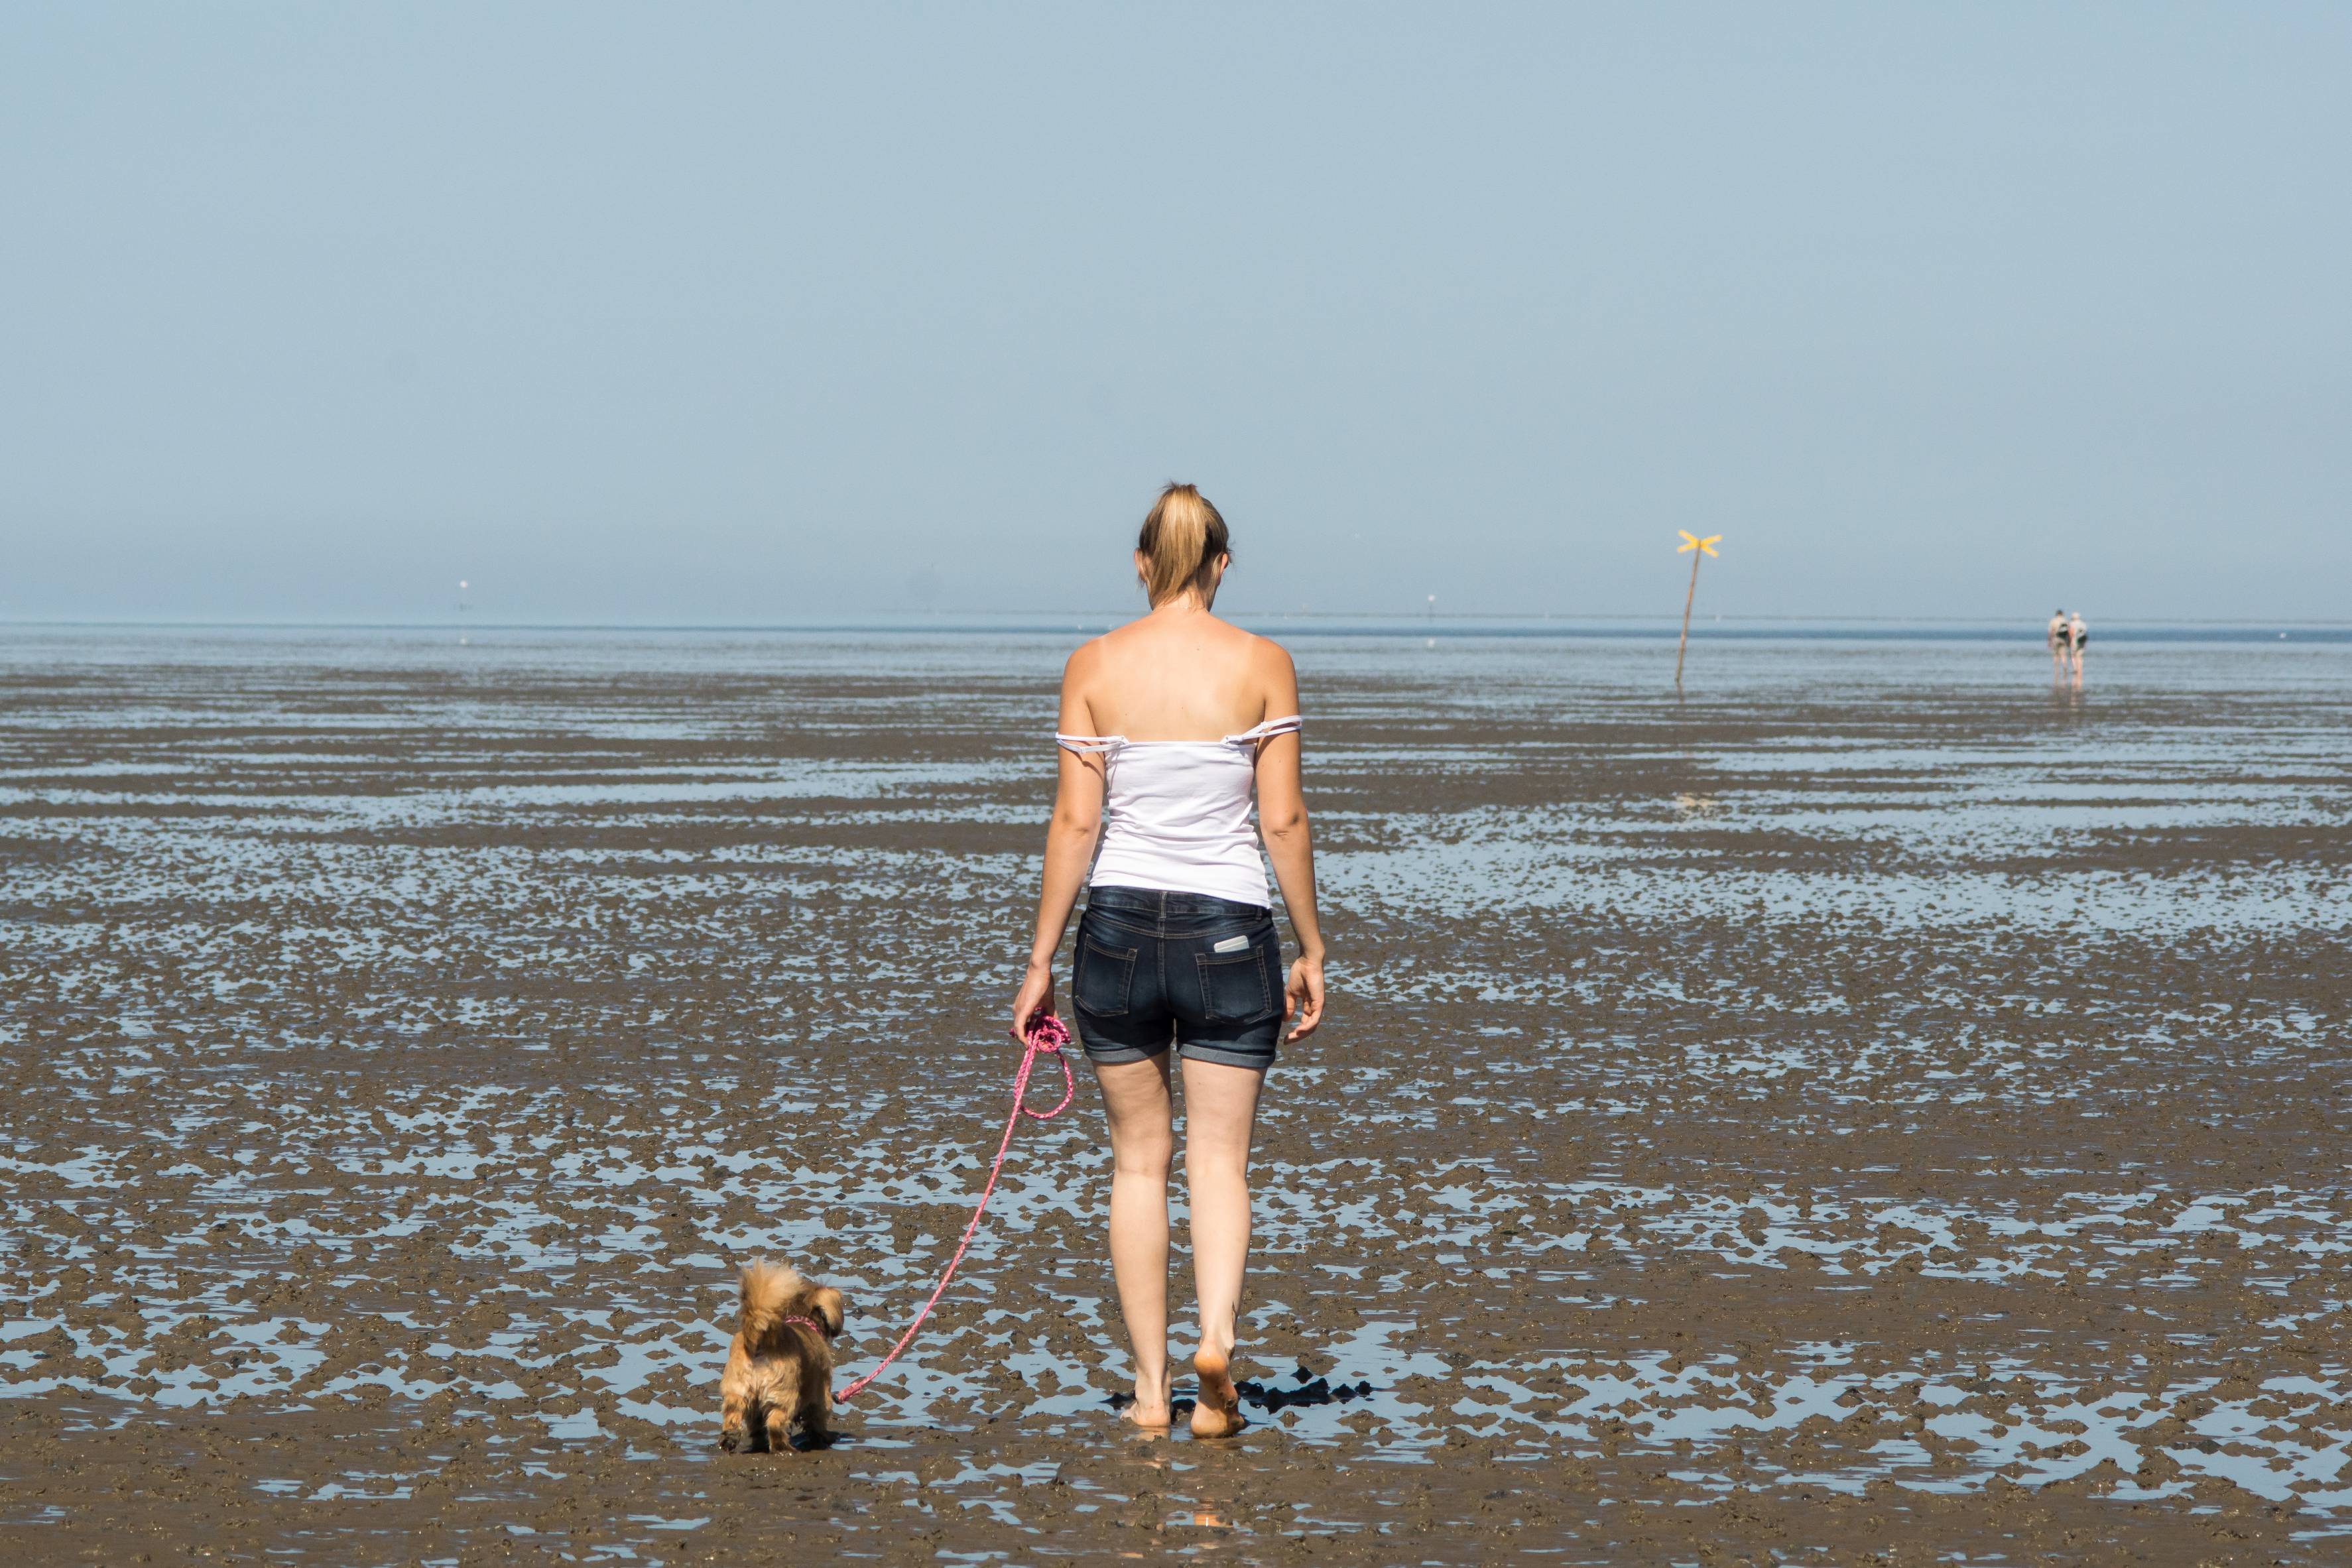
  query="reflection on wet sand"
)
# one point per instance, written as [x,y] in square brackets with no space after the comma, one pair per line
[1847,1095]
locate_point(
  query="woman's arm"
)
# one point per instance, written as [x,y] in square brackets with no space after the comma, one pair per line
[1069,847]
[1282,822]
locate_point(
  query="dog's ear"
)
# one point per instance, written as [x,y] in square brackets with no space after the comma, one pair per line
[829,1308]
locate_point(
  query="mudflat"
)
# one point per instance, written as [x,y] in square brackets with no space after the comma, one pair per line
[1872,1107]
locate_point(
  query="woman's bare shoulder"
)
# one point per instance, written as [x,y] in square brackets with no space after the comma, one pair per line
[1082,685]
[1082,672]
[1276,677]
[1270,656]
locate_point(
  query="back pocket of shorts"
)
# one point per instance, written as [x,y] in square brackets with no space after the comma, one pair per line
[1105,977]
[1234,988]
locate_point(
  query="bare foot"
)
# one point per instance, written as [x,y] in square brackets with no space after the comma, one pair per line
[1147,1409]
[1218,1414]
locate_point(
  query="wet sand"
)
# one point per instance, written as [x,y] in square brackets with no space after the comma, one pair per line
[1874,1108]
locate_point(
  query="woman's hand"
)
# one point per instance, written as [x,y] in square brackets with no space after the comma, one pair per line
[1035,998]
[1302,997]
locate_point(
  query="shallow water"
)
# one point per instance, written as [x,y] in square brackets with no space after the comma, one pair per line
[1872,1068]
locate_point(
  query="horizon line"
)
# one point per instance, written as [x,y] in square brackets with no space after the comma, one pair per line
[913,620]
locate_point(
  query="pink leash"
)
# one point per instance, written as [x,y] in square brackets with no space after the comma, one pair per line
[1046,1038]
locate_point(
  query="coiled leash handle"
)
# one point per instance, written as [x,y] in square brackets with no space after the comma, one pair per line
[1046,1037]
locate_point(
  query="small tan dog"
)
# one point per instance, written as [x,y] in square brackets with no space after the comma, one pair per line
[779,1365]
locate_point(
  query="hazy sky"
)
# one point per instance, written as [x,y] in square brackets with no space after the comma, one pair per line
[691,312]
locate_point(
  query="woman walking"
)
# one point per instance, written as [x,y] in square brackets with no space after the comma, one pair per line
[1168,727]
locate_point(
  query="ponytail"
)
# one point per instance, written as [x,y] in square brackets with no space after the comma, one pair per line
[1182,539]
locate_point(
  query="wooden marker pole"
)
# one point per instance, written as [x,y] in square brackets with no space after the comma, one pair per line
[1694,547]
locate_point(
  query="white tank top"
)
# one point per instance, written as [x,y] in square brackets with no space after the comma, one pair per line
[1176,814]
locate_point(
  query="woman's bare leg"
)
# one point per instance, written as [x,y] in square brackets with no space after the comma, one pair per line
[1220,1109]
[1142,1140]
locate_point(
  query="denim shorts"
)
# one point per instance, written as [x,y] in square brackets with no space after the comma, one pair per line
[1154,969]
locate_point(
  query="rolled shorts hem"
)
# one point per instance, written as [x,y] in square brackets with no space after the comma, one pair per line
[1111,1053]
[1227,1055]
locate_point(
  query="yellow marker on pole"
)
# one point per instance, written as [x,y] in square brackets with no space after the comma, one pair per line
[1694,547]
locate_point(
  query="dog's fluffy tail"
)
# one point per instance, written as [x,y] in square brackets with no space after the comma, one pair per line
[770,1293]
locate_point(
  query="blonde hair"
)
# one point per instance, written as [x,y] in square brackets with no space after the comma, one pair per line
[1182,539]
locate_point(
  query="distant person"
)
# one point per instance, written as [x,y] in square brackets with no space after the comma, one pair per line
[1169,725]
[2078,637]
[2056,637]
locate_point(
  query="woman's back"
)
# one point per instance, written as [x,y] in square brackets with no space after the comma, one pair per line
[1177,677]
[1175,710]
